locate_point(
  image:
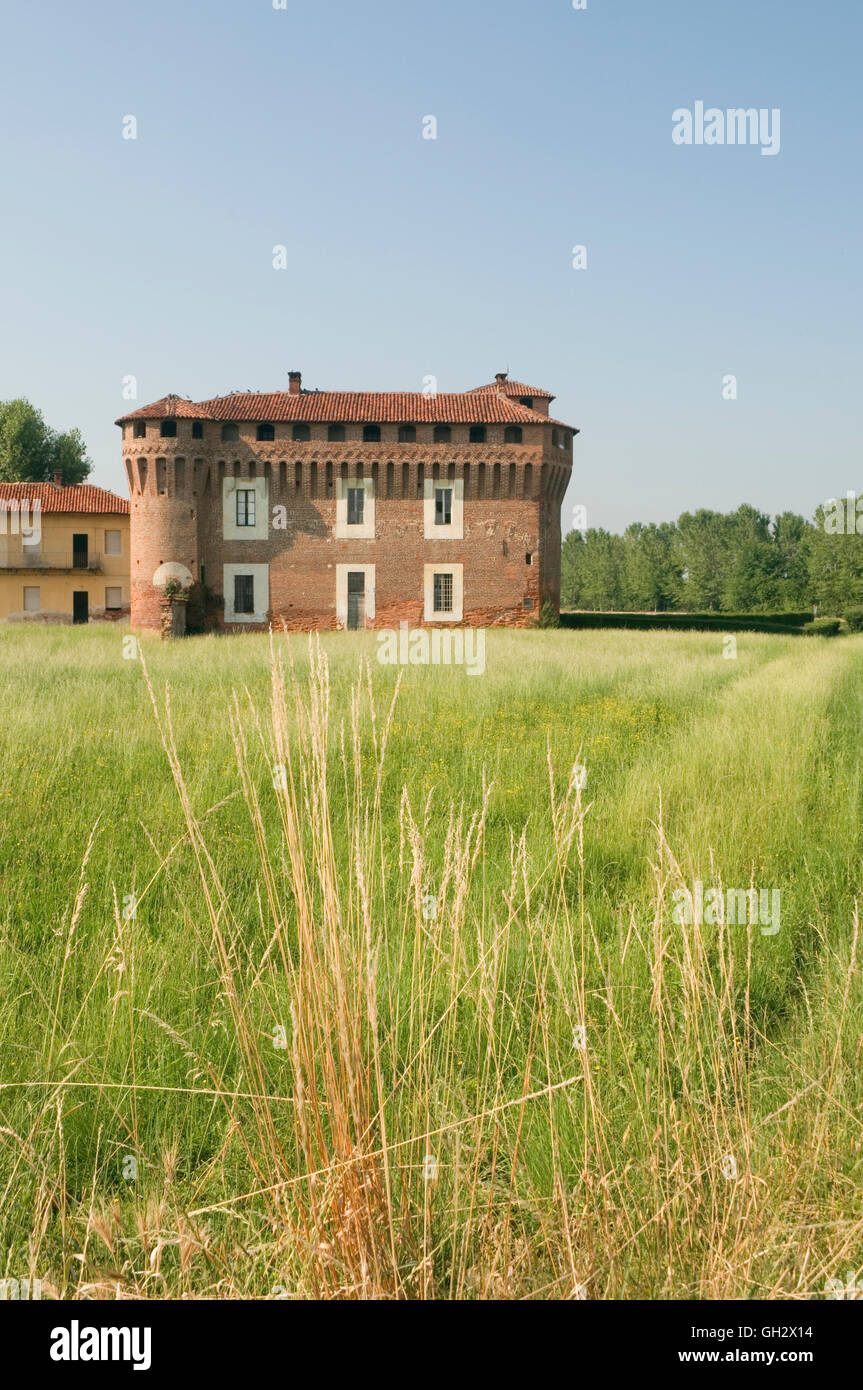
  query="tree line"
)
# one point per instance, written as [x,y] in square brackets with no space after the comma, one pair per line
[705,561]
[724,562]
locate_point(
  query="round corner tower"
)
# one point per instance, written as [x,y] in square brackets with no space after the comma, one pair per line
[160,470]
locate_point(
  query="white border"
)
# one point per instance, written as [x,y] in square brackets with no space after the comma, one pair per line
[261,576]
[366,532]
[455,530]
[429,614]
[342,572]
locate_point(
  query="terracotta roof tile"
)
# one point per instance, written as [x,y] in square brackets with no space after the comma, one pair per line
[169,407]
[81,498]
[513,388]
[378,407]
[483,405]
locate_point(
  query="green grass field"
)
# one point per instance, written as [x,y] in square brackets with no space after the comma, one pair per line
[314,988]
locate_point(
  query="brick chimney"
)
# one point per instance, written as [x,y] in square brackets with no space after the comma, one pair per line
[295,383]
[58,479]
[501,377]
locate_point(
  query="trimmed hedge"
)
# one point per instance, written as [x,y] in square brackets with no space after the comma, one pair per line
[785,619]
[822,627]
[694,622]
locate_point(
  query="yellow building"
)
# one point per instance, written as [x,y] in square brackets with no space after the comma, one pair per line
[64,553]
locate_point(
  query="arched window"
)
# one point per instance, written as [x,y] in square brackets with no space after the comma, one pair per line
[371,434]
[477,434]
[442,434]
[407,434]
[230,434]
[266,434]
[512,434]
[336,434]
[302,434]
[168,429]
[140,430]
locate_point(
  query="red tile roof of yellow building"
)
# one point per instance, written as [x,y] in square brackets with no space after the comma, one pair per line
[82,497]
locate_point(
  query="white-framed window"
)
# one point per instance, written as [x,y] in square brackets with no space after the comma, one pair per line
[246,499]
[114,596]
[32,599]
[443,593]
[244,509]
[355,509]
[113,542]
[443,509]
[247,593]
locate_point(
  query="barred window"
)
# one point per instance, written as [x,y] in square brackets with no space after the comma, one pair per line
[443,593]
[356,503]
[443,506]
[246,507]
[244,593]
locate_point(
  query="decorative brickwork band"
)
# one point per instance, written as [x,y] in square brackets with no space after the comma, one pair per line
[267,499]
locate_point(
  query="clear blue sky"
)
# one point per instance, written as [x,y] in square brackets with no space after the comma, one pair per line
[302,127]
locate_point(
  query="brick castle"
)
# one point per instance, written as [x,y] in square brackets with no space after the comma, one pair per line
[328,509]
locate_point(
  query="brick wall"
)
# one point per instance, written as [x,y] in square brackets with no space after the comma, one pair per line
[511,509]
